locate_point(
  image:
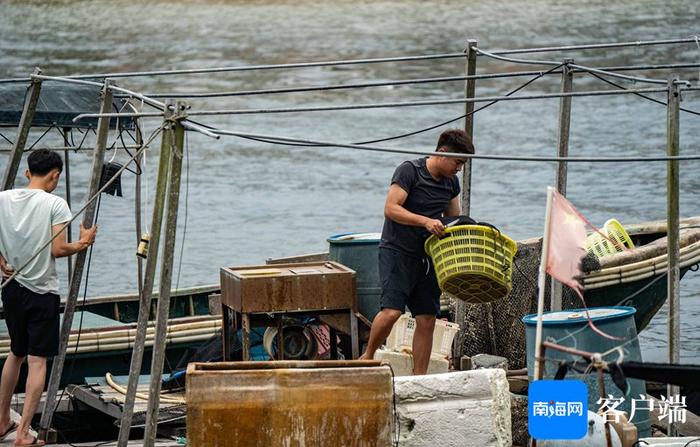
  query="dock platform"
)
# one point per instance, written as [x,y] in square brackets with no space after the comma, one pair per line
[109,399]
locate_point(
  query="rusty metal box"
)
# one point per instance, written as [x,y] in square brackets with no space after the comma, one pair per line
[288,287]
[312,404]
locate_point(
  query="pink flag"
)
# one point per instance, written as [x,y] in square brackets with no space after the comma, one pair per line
[567,242]
[567,245]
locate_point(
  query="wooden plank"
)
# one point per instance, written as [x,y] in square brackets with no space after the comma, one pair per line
[109,401]
[94,400]
[65,405]
[691,426]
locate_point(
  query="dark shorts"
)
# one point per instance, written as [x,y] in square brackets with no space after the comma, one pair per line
[32,320]
[408,282]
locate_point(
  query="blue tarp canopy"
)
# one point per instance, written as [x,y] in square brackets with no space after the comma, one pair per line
[59,103]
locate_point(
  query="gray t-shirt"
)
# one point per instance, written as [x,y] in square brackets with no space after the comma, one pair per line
[426,196]
[26,218]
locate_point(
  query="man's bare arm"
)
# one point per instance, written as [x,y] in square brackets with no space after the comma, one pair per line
[394,210]
[60,247]
[453,208]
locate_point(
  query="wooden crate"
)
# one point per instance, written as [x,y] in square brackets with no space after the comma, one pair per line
[310,286]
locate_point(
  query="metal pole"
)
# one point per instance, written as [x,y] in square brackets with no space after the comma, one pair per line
[25,123]
[567,79]
[66,170]
[469,91]
[673,176]
[166,271]
[88,217]
[147,288]
[539,361]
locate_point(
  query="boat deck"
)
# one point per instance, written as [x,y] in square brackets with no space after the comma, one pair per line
[105,398]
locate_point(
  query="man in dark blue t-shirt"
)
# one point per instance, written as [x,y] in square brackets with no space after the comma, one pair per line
[421,192]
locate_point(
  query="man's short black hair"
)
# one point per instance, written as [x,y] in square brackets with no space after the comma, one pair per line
[43,161]
[456,140]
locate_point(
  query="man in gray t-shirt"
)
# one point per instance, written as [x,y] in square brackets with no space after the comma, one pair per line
[29,218]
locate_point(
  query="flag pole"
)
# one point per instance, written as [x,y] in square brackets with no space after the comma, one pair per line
[539,351]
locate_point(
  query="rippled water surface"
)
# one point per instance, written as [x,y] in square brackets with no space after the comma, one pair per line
[245,201]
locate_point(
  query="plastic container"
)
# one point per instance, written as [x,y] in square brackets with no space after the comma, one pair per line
[324,403]
[443,336]
[570,328]
[359,251]
[401,336]
[617,240]
[473,262]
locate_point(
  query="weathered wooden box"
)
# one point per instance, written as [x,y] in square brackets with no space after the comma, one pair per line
[288,287]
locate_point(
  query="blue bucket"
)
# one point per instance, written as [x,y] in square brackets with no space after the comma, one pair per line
[360,252]
[570,328]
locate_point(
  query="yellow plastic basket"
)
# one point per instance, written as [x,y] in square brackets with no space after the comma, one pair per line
[473,262]
[600,246]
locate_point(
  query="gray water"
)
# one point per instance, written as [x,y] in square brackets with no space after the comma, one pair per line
[244,201]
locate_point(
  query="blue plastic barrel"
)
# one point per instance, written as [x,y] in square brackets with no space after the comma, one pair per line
[569,328]
[360,252]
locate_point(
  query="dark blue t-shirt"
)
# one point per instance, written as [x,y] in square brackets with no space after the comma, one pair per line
[426,196]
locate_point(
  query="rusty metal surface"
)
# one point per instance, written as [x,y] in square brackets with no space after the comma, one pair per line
[299,364]
[289,403]
[289,287]
[311,257]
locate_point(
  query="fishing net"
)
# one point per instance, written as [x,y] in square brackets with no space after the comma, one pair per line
[496,328]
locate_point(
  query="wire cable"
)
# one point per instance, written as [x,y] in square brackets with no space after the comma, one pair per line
[48,129]
[649,98]
[256,67]
[435,126]
[364,61]
[187,196]
[576,66]
[481,52]
[310,88]
[444,123]
[6,139]
[316,143]
[626,77]
[428,102]
[596,46]
[331,87]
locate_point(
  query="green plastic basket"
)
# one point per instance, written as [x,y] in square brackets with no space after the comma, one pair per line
[618,240]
